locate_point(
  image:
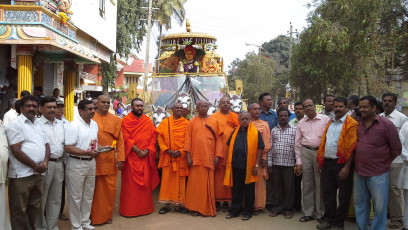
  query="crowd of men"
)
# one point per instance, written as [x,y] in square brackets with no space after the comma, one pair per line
[243,164]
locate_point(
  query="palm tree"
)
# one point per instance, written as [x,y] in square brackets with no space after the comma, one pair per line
[168,9]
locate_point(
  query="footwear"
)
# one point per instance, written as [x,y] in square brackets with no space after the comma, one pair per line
[225,207]
[321,220]
[109,221]
[324,226]
[229,216]
[288,215]
[164,210]
[306,218]
[89,227]
[256,212]
[395,224]
[246,217]
[217,206]
[273,214]
[195,214]
[62,217]
[269,207]
[181,210]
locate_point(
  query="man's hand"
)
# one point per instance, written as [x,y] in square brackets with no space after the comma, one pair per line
[177,153]
[189,160]
[344,172]
[298,170]
[216,161]
[142,153]
[263,163]
[41,167]
[255,171]
[119,165]
[270,169]
[93,153]
[319,170]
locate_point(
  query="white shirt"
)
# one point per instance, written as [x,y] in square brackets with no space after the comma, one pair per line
[4,154]
[82,135]
[403,134]
[333,136]
[55,134]
[33,138]
[398,119]
[9,116]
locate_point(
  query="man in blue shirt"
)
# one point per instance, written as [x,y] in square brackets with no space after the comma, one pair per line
[267,114]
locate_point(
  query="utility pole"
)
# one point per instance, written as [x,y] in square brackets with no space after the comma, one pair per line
[290,33]
[146,62]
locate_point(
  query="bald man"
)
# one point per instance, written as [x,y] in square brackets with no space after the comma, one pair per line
[203,153]
[108,163]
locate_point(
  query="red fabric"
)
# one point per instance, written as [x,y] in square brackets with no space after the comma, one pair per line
[139,175]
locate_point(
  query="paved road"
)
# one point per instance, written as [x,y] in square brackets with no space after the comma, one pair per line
[174,220]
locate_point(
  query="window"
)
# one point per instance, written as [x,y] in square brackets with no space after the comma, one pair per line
[102,8]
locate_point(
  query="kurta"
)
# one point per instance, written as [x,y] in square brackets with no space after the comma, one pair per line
[171,136]
[109,130]
[203,142]
[139,175]
[260,189]
[227,123]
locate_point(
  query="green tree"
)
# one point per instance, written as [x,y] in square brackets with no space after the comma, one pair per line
[131,28]
[258,75]
[349,47]
[109,74]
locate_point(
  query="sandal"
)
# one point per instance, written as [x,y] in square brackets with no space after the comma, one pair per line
[195,214]
[306,218]
[273,214]
[246,217]
[62,217]
[225,207]
[164,210]
[229,216]
[181,210]
[256,212]
[288,215]
[217,206]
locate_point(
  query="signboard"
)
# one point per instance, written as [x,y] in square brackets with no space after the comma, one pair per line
[60,74]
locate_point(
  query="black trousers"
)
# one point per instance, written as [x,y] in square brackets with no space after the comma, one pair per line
[283,184]
[330,183]
[298,193]
[239,190]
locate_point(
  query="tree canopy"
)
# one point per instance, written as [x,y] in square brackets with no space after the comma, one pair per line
[350,47]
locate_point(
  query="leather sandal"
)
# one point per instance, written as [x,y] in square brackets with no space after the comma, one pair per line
[306,218]
[225,207]
[246,217]
[181,210]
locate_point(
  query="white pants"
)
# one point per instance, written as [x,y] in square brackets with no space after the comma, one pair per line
[405,216]
[80,183]
[4,216]
[51,199]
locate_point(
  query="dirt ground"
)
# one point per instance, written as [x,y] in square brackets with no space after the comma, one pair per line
[174,220]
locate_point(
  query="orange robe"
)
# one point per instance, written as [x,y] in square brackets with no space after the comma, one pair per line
[228,123]
[202,141]
[171,134]
[260,189]
[139,175]
[109,130]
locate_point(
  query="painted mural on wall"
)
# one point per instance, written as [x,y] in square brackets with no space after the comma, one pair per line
[62,8]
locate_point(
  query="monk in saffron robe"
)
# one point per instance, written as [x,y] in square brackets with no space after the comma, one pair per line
[107,164]
[172,160]
[263,128]
[203,153]
[243,159]
[139,172]
[228,121]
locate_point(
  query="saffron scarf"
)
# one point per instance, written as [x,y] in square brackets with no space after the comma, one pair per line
[252,151]
[347,141]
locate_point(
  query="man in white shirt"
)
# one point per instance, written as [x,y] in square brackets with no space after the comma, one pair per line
[11,114]
[81,144]
[396,198]
[4,155]
[28,161]
[54,129]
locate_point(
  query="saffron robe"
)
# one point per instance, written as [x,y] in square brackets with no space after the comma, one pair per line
[228,123]
[109,130]
[203,142]
[139,175]
[260,189]
[171,135]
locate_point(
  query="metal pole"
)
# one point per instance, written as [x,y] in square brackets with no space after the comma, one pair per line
[146,62]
